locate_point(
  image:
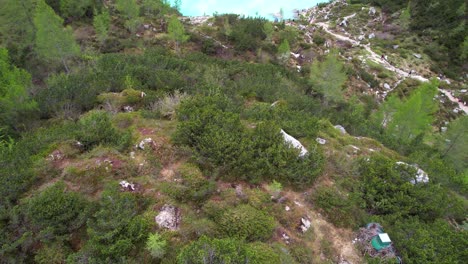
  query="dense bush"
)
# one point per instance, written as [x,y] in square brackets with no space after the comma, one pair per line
[115,229]
[247,32]
[96,128]
[56,209]
[246,222]
[437,242]
[192,187]
[338,207]
[223,143]
[227,250]
[386,190]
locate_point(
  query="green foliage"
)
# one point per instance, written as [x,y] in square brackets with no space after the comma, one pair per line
[155,7]
[75,8]
[318,40]
[214,131]
[17,28]
[207,250]
[405,121]
[228,251]
[156,245]
[15,105]
[246,222]
[101,25]
[246,33]
[116,228]
[386,190]
[437,242]
[176,31]
[192,187]
[284,52]
[54,254]
[261,253]
[17,159]
[128,8]
[268,29]
[328,78]
[339,208]
[53,42]
[452,144]
[56,209]
[96,128]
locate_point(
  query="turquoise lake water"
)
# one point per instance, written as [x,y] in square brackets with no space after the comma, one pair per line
[261,8]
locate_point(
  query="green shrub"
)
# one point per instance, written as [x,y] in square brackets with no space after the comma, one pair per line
[96,128]
[54,208]
[209,250]
[246,222]
[156,245]
[228,251]
[115,228]
[338,207]
[261,253]
[192,187]
[386,189]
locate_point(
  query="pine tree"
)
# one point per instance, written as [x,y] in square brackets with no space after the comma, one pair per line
[268,30]
[452,143]
[328,78]
[54,43]
[101,25]
[17,28]
[284,52]
[177,32]
[414,116]
[15,104]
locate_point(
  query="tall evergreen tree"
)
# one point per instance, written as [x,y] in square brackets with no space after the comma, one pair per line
[17,28]
[177,32]
[328,78]
[54,43]
[15,104]
[101,25]
[284,52]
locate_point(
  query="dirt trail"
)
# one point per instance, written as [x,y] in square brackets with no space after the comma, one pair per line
[402,74]
[455,100]
[341,239]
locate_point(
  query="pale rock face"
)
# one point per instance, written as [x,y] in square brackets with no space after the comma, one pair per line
[420,176]
[321,141]
[341,129]
[145,141]
[295,143]
[126,185]
[305,224]
[168,217]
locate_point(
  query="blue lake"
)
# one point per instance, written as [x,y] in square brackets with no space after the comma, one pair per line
[263,8]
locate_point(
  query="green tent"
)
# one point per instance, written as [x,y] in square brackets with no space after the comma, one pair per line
[381,241]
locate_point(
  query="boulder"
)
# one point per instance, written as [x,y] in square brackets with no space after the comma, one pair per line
[341,129]
[418,56]
[372,11]
[305,224]
[321,141]
[420,176]
[168,217]
[145,141]
[387,86]
[371,35]
[295,143]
